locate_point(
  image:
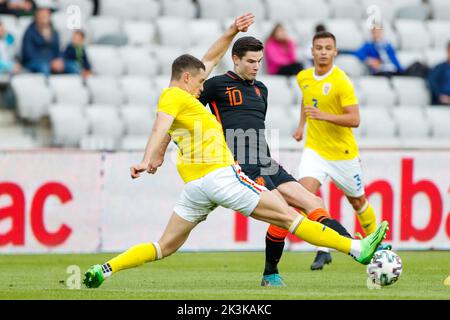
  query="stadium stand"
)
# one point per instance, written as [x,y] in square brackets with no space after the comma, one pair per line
[114,107]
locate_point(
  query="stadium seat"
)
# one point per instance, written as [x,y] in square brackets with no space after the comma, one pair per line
[254,6]
[352,66]
[139,61]
[98,143]
[412,122]
[281,123]
[204,31]
[411,91]
[212,9]
[165,57]
[138,90]
[304,31]
[439,32]
[377,123]
[160,83]
[413,12]
[139,32]
[99,27]
[439,118]
[279,90]
[319,9]
[172,31]
[434,57]
[131,9]
[286,10]
[69,89]
[413,34]
[380,9]
[440,9]
[137,120]
[16,139]
[32,95]
[133,143]
[296,92]
[346,9]
[347,32]
[86,6]
[104,90]
[179,8]
[104,121]
[376,91]
[105,60]
[68,124]
[408,57]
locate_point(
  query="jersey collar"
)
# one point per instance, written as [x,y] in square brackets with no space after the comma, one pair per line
[318,78]
[234,76]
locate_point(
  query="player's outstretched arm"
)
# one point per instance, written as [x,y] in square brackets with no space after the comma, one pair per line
[156,146]
[215,53]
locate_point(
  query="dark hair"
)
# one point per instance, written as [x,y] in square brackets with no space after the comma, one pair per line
[277,26]
[320,27]
[80,32]
[245,44]
[185,62]
[324,35]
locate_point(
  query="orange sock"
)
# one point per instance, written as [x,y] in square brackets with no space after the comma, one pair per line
[275,233]
[318,215]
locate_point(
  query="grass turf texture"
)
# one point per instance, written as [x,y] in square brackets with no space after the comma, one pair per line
[222,276]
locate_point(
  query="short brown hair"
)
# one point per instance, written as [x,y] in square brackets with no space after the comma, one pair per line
[324,35]
[185,62]
[245,44]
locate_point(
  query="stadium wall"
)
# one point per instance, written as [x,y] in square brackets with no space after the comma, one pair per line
[72,201]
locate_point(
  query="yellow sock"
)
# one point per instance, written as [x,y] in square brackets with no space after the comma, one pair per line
[367,219]
[320,235]
[136,256]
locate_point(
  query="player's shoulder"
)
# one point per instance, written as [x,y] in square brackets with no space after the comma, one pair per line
[260,84]
[174,93]
[305,74]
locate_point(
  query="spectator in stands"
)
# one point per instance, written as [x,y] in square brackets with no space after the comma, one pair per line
[439,81]
[17,7]
[280,53]
[7,62]
[41,48]
[76,53]
[379,55]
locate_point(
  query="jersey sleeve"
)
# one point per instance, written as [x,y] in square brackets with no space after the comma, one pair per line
[208,92]
[347,95]
[171,103]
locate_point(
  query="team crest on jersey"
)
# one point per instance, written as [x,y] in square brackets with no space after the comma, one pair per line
[326,88]
[258,92]
[260,180]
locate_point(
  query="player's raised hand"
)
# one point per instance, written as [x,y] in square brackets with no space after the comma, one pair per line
[137,169]
[243,22]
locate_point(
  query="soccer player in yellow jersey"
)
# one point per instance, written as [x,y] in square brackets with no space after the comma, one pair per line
[330,110]
[211,178]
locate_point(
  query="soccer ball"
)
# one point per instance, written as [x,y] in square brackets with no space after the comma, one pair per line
[385,268]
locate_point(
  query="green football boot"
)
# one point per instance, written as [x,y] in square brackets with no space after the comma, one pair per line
[93,278]
[370,243]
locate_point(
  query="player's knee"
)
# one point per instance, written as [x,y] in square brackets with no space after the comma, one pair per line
[358,203]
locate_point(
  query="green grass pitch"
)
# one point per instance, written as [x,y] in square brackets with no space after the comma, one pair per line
[222,276]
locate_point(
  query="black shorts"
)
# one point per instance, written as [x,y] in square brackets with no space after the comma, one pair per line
[269,176]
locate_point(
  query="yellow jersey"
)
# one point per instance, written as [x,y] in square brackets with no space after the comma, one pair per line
[330,93]
[201,144]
